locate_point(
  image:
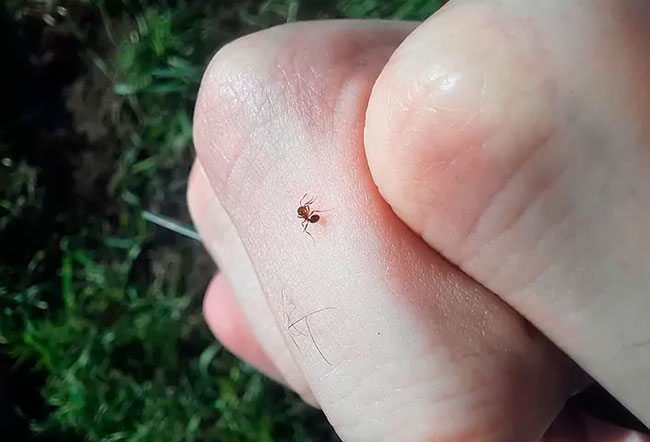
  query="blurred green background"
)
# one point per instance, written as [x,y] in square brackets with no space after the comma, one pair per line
[101,335]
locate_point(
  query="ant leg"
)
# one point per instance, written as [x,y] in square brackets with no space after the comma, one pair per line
[312,238]
[305,224]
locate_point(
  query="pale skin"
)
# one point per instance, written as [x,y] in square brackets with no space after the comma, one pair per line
[488,165]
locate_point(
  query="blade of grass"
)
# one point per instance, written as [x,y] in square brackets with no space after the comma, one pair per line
[171,224]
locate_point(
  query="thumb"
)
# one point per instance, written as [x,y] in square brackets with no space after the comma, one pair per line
[486,142]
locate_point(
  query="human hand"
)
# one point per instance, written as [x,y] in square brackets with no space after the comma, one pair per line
[486,142]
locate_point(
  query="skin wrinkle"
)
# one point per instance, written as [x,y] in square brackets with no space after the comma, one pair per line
[537,145]
[414,403]
[559,225]
[517,291]
[575,239]
[303,95]
[467,262]
[417,177]
[352,423]
[238,91]
[211,156]
[257,165]
[405,432]
[362,384]
[203,111]
[386,416]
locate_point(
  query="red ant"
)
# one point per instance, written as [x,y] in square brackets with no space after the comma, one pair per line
[308,215]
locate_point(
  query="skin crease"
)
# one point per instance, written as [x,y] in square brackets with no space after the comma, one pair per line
[543,197]
[408,348]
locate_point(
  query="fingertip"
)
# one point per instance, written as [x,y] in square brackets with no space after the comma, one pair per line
[227,323]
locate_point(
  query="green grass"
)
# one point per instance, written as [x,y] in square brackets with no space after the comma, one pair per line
[101,335]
